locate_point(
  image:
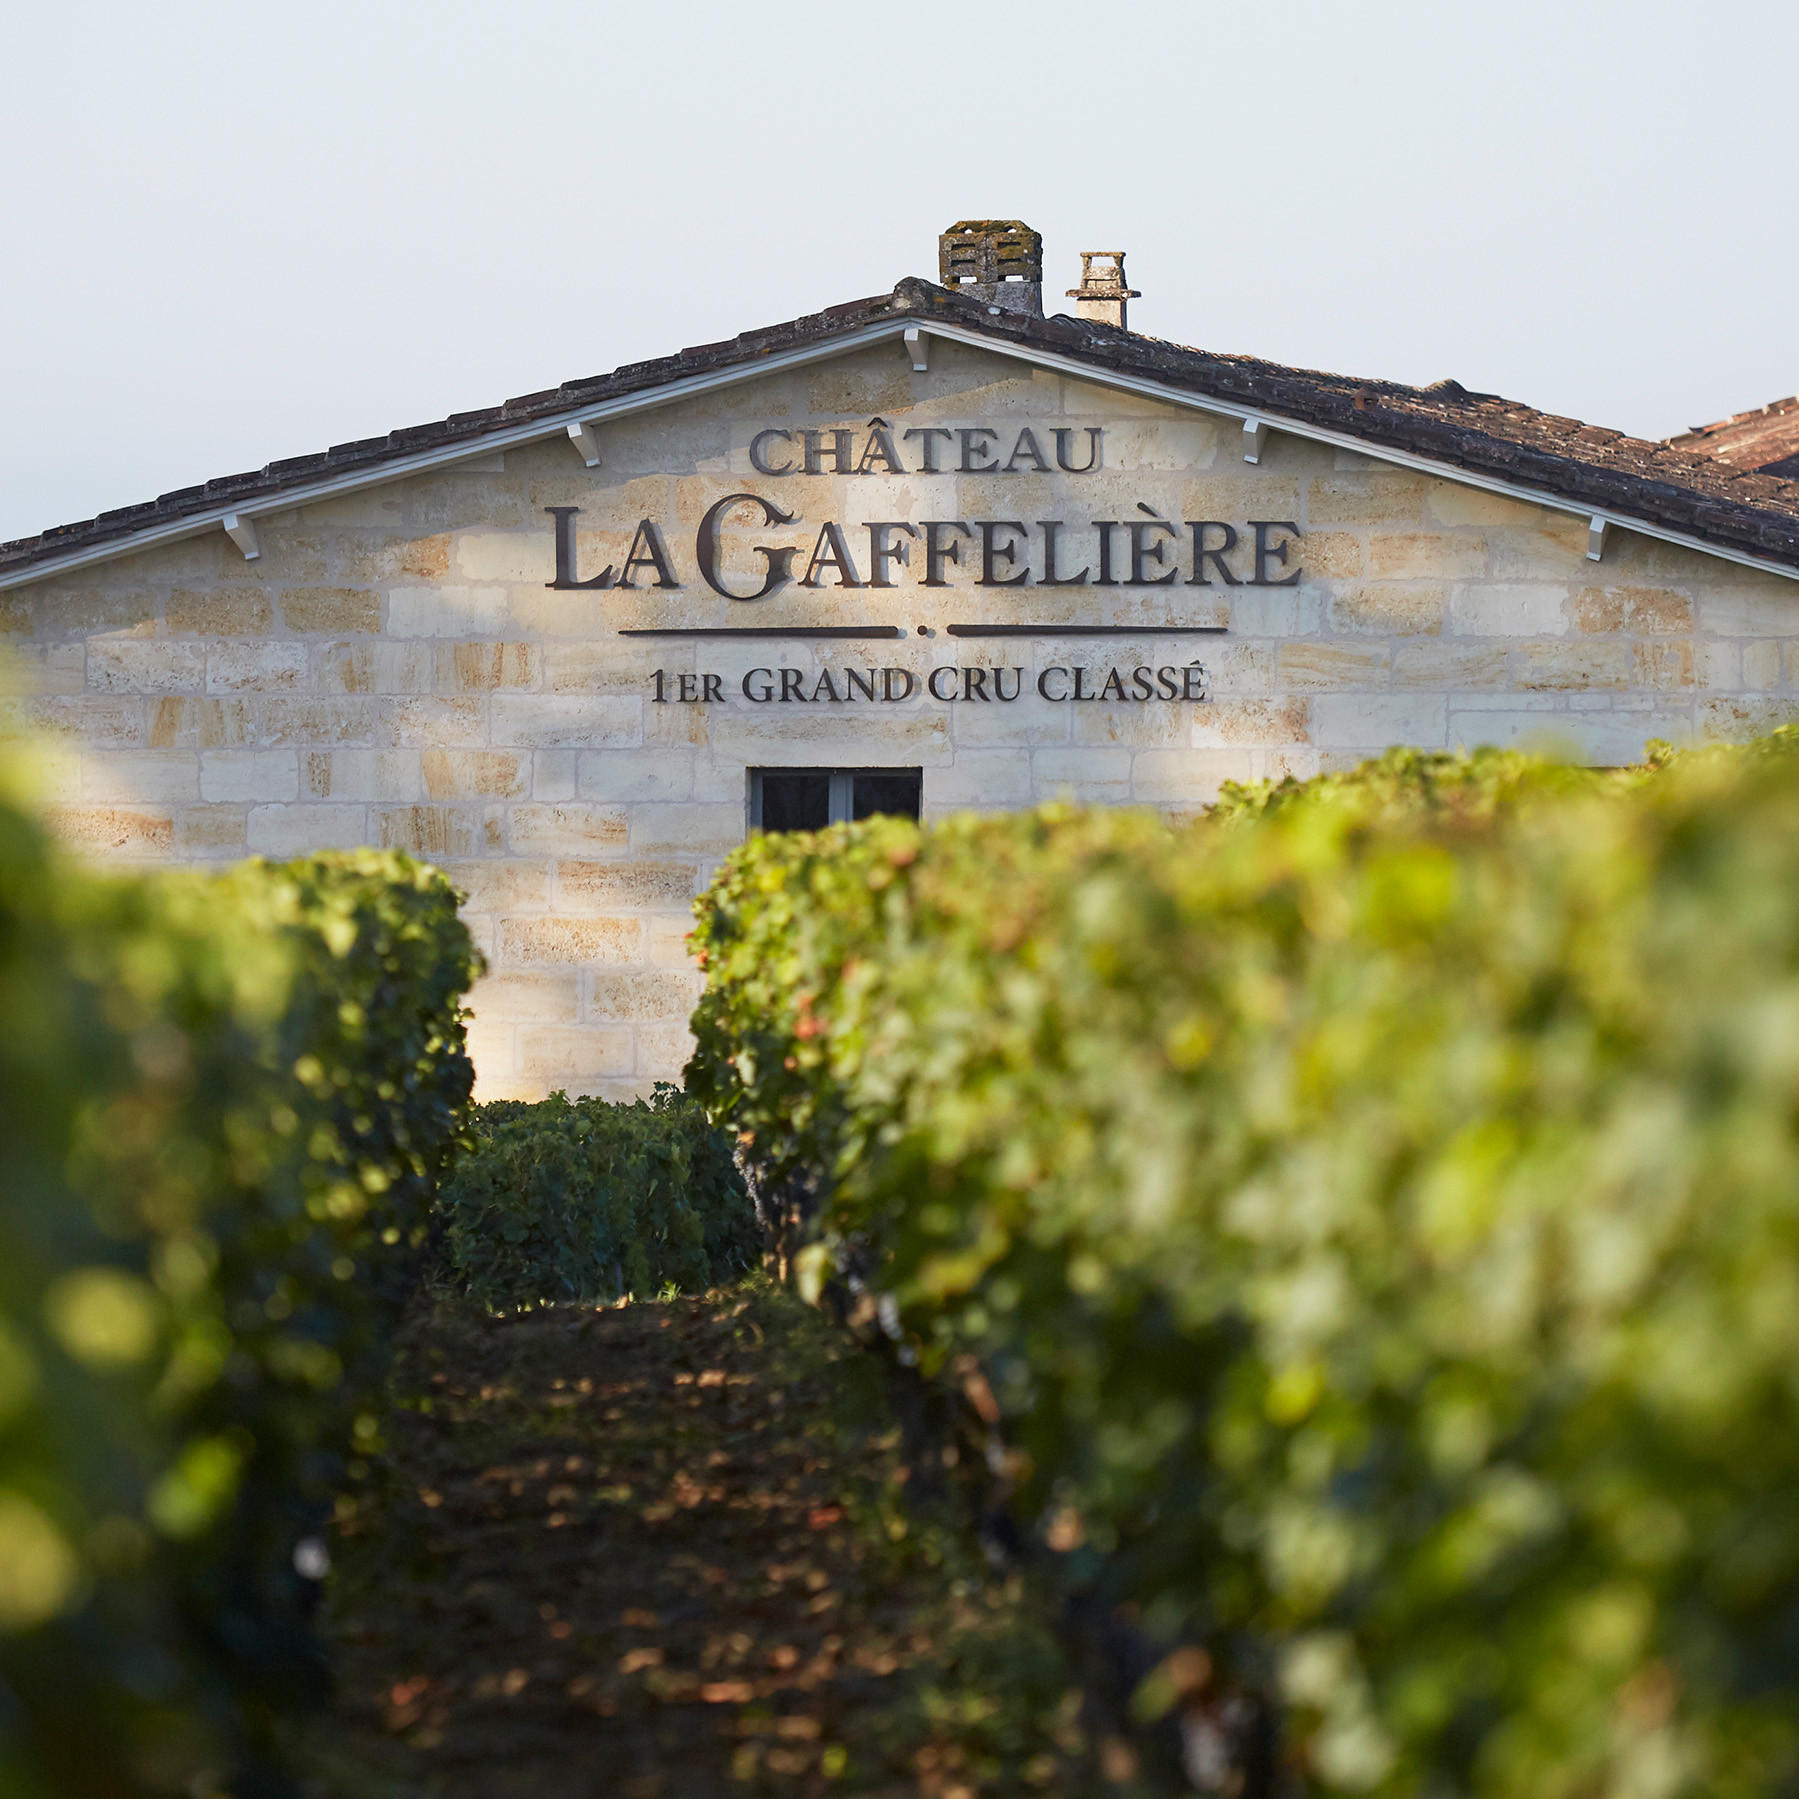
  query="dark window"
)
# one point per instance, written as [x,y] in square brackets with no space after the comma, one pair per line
[794,799]
[890,790]
[807,799]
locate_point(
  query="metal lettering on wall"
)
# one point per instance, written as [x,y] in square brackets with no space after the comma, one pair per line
[781,549]
[947,682]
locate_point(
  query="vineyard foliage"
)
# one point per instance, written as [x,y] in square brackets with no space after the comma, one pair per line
[582,1200]
[227,1100]
[1375,1209]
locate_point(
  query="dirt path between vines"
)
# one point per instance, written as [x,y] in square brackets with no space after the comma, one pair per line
[657,1551]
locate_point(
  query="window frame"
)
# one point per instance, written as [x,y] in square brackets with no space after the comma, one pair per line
[842,802]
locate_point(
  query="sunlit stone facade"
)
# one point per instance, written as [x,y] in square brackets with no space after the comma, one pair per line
[397,665]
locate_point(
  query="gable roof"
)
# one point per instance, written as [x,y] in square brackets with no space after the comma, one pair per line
[1765,440]
[1663,489]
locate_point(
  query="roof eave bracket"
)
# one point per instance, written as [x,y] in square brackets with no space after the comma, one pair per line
[1597,529]
[581,435]
[242,532]
[918,348]
[1255,438]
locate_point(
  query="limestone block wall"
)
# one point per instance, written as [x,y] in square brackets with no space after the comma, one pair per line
[394,668]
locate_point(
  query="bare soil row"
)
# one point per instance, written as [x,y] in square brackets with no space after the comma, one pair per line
[661,1551]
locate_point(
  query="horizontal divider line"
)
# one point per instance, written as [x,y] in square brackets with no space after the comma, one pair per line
[1086,630]
[892,631]
[769,631]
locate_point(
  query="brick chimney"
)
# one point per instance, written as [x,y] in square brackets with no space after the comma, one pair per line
[996,261]
[1102,295]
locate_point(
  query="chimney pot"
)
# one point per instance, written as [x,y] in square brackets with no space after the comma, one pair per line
[1102,295]
[996,261]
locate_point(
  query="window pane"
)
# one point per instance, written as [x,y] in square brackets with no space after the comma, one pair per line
[795,801]
[897,792]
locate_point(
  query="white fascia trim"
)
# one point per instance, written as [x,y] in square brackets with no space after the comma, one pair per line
[1339,440]
[512,437]
[558,424]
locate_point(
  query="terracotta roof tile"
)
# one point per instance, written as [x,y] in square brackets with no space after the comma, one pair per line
[1765,440]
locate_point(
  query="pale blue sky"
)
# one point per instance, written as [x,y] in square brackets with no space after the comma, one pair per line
[235,232]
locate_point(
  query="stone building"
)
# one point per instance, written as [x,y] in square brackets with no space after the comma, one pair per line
[927,550]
